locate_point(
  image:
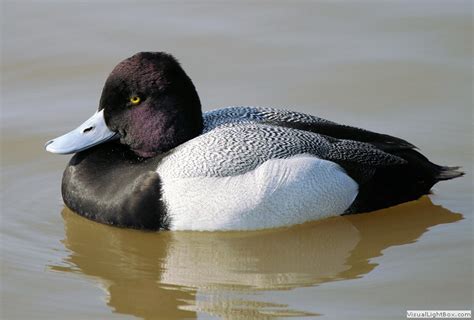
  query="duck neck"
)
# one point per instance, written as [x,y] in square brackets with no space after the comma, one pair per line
[169,131]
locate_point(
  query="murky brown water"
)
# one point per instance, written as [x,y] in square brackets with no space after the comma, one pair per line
[402,68]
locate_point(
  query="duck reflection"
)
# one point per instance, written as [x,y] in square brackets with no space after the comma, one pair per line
[174,274]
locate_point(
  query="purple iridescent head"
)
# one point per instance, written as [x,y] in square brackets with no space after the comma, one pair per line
[151,102]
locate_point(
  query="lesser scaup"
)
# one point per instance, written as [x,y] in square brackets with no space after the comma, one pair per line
[150,159]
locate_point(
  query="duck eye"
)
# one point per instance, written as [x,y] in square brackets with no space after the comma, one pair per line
[135,100]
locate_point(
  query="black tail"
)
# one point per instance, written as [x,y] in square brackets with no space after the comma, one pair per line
[448,173]
[392,185]
[426,170]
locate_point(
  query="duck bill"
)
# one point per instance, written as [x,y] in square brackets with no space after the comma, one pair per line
[92,132]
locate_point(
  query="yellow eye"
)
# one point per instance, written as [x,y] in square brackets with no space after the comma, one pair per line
[135,100]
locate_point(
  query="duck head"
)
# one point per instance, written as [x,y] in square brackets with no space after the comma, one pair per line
[148,102]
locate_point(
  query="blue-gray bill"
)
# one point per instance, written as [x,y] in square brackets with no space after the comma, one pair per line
[92,132]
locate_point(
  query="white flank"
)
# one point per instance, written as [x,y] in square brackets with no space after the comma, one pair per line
[280,192]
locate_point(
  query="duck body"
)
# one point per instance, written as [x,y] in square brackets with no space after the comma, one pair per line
[236,168]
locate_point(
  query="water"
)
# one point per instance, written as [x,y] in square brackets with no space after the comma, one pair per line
[402,68]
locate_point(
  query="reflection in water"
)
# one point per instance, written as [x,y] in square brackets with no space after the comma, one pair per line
[175,274]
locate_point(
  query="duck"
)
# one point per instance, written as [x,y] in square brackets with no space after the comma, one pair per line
[150,159]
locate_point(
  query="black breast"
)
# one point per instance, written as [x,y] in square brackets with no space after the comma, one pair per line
[111,185]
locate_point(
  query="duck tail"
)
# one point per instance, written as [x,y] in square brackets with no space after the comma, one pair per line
[425,170]
[395,184]
[448,173]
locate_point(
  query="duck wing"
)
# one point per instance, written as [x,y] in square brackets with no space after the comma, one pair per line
[301,121]
[236,148]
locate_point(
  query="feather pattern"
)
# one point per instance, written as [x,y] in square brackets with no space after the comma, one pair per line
[232,115]
[302,121]
[235,148]
[250,161]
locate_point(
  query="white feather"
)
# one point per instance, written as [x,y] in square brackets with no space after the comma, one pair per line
[279,192]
